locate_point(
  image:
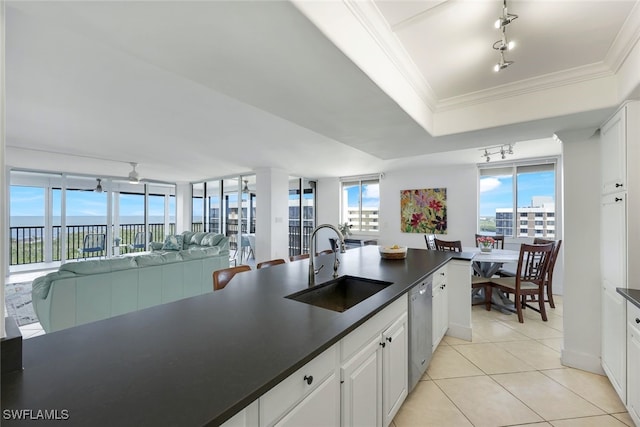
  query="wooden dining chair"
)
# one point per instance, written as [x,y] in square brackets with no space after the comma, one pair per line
[325,252]
[479,282]
[222,277]
[452,246]
[270,263]
[533,263]
[548,282]
[430,240]
[298,257]
[498,240]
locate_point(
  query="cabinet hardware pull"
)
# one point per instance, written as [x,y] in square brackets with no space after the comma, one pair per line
[618,185]
[383,344]
[308,379]
[618,199]
[637,320]
[389,338]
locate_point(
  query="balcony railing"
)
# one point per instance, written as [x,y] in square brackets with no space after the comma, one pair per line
[28,243]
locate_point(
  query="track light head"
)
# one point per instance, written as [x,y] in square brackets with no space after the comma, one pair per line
[98,188]
[134,178]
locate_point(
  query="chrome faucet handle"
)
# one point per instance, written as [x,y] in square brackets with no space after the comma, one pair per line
[318,270]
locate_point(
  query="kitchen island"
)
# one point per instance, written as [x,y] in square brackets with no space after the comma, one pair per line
[200,360]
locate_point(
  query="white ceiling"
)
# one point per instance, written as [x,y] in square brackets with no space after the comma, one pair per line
[193,90]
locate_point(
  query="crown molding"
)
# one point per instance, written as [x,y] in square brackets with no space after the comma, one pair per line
[627,38]
[368,14]
[535,84]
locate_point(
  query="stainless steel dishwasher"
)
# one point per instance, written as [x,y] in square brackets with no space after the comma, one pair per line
[420,330]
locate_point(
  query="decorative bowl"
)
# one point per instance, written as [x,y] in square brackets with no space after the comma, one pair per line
[391,252]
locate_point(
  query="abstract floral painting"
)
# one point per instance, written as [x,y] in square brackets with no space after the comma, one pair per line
[424,211]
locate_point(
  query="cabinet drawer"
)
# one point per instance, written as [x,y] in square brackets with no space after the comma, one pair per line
[363,334]
[633,317]
[280,399]
[440,277]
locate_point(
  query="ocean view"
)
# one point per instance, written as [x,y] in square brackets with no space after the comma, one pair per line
[38,221]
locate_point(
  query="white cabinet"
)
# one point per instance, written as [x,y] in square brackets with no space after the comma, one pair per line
[620,154]
[248,417]
[614,354]
[374,371]
[633,365]
[312,391]
[613,153]
[319,409]
[440,306]
[395,375]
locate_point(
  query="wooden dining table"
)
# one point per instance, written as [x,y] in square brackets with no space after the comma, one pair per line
[487,264]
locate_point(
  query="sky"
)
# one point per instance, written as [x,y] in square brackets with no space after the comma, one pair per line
[29,201]
[497,191]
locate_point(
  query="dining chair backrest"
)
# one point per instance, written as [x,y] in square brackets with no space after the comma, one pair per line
[498,240]
[222,277]
[325,252]
[452,246]
[554,255]
[298,257]
[533,263]
[430,240]
[270,263]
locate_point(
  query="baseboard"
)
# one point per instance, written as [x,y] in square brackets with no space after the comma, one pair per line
[583,361]
[459,331]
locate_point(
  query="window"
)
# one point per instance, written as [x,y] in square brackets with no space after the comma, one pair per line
[528,189]
[361,204]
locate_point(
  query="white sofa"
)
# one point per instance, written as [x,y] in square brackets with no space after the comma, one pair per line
[87,291]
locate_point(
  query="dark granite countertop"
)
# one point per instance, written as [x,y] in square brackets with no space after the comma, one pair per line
[200,360]
[632,295]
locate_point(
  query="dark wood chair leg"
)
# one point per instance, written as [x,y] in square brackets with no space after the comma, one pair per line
[550,296]
[543,312]
[519,307]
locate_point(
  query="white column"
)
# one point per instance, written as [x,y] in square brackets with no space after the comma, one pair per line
[184,207]
[272,214]
[3,175]
[582,290]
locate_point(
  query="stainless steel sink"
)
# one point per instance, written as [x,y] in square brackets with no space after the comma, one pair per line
[340,294]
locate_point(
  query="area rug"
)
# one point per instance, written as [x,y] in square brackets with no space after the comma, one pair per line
[18,303]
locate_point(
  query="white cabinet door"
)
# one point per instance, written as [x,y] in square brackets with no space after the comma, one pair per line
[613,231]
[614,337]
[248,417]
[362,387]
[440,307]
[613,153]
[395,376]
[633,365]
[319,409]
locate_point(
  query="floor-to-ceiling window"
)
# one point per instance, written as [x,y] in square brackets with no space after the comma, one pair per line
[302,202]
[51,215]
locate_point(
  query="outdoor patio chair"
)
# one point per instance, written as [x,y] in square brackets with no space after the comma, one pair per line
[139,240]
[93,244]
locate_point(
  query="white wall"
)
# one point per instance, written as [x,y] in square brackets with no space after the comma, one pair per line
[272,214]
[461,183]
[184,207]
[3,183]
[581,182]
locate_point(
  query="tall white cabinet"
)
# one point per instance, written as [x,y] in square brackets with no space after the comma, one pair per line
[619,235]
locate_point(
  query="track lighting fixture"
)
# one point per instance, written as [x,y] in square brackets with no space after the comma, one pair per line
[134,178]
[503,44]
[245,190]
[503,150]
[506,18]
[98,188]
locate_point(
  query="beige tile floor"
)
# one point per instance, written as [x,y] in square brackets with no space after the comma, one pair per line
[510,375]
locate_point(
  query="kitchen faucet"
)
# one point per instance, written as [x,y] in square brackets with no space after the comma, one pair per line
[336,262]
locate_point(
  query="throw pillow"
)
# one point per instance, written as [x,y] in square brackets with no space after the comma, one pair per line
[187,237]
[173,243]
[197,238]
[211,239]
